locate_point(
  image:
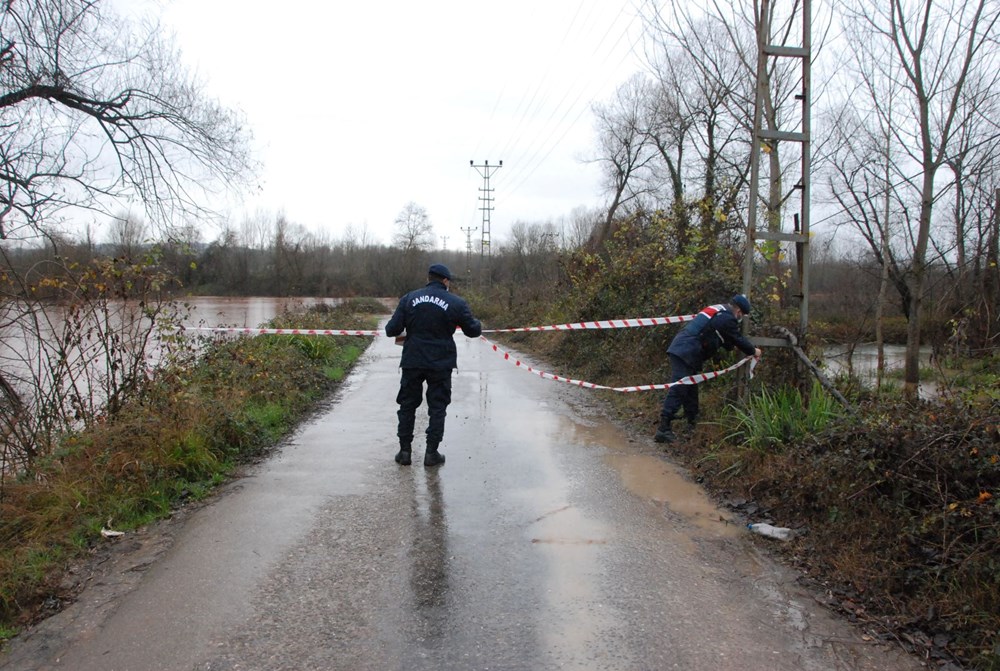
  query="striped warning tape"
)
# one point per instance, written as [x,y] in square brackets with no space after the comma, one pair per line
[691,379]
[224,329]
[577,326]
[603,324]
[608,324]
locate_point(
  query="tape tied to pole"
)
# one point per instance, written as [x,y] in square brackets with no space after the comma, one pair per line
[576,326]
[634,322]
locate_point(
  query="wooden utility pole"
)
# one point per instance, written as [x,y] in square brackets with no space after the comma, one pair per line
[992,283]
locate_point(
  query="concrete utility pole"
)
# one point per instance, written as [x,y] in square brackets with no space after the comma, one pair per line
[486,197]
[993,254]
[768,139]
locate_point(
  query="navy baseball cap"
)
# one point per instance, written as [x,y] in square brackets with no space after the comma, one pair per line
[740,301]
[441,271]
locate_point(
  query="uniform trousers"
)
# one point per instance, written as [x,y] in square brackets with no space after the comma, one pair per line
[681,395]
[411,392]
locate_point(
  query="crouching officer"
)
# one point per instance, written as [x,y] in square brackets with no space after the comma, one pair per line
[429,317]
[716,326]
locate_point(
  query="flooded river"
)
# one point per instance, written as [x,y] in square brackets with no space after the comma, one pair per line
[46,351]
[862,362]
[246,312]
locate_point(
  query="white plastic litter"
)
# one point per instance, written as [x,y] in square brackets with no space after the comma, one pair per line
[781,533]
[108,532]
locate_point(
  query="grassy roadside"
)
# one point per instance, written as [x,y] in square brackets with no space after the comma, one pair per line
[184,435]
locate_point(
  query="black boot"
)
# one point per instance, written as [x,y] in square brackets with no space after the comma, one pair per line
[404,456]
[664,434]
[432,457]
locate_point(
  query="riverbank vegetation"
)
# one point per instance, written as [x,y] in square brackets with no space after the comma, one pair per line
[208,405]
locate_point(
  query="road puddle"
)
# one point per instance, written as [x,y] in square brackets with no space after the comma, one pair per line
[652,478]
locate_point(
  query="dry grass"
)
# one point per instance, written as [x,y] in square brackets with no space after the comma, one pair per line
[900,518]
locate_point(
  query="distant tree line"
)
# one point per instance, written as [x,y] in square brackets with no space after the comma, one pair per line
[266,255]
[906,110]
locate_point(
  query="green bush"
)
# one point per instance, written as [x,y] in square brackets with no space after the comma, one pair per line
[774,419]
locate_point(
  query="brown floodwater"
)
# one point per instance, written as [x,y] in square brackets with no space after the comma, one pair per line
[245,312]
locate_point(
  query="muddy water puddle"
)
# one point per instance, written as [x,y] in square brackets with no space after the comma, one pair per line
[650,477]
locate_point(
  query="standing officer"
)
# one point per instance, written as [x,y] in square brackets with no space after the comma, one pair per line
[429,317]
[715,326]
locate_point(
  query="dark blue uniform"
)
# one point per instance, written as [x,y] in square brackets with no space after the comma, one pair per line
[715,327]
[429,316]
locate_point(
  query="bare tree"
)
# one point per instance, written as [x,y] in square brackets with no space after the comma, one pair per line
[942,56]
[583,221]
[720,46]
[702,144]
[127,234]
[289,244]
[95,111]
[858,179]
[414,231]
[670,118]
[256,230]
[528,263]
[974,159]
[624,150]
[357,237]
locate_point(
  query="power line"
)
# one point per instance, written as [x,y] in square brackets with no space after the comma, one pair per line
[537,152]
[533,162]
[534,136]
[541,82]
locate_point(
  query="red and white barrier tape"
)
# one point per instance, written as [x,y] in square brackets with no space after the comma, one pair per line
[609,324]
[577,326]
[222,329]
[691,379]
[603,324]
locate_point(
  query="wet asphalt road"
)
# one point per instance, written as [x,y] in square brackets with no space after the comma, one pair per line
[547,541]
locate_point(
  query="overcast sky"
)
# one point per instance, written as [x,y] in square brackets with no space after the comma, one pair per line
[362,107]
